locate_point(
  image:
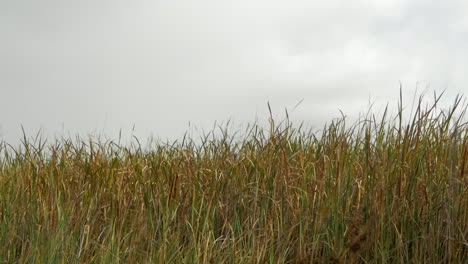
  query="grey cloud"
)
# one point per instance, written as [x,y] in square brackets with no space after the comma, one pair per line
[160,64]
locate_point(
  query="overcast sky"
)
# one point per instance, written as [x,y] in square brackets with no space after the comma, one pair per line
[99,66]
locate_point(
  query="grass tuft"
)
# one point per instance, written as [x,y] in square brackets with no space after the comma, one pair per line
[383,190]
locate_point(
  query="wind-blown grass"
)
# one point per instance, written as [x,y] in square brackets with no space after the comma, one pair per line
[383,190]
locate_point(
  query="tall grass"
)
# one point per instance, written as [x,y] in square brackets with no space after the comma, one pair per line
[383,190]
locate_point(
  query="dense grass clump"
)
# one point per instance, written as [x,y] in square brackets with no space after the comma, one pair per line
[383,190]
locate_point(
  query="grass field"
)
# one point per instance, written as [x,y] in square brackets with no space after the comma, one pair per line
[385,189]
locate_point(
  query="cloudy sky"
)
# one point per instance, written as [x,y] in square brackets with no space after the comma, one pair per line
[102,65]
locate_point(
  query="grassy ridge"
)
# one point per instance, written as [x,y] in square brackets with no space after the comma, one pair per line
[383,190]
